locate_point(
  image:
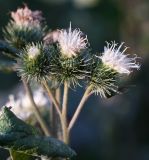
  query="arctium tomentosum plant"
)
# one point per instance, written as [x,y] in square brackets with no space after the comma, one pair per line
[62,57]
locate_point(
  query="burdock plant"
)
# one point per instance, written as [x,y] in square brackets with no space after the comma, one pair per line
[61,58]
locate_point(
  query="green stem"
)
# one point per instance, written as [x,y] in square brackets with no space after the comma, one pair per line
[58,95]
[86,95]
[52,98]
[36,110]
[10,152]
[58,123]
[54,117]
[64,114]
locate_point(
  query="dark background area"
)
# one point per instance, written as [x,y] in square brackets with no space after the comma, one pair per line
[108,129]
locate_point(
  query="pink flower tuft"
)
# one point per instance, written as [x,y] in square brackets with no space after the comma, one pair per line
[26,17]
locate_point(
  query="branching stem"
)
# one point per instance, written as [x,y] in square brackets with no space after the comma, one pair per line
[52,98]
[64,114]
[86,95]
[58,123]
[36,110]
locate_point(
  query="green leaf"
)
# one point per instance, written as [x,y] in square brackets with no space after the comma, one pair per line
[23,138]
[21,156]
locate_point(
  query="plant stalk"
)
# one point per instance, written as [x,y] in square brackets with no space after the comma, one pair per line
[58,123]
[54,117]
[52,98]
[36,110]
[86,95]
[64,114]
[11,156]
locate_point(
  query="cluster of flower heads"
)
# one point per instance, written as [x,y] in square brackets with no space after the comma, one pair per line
[22,106]
[64,55]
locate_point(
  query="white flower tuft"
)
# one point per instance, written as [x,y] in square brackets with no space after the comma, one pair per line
[22,106]
[71,42]
[33,52]
[117,60]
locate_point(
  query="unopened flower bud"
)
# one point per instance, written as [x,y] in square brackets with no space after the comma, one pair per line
[33,52]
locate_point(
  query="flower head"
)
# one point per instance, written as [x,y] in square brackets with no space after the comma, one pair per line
[71,42]
[34,62]
[52,37]
[117,60]
[26,17]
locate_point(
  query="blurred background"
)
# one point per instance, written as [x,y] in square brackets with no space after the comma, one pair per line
[116,128]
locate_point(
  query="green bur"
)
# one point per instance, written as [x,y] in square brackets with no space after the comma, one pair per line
[18,136]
